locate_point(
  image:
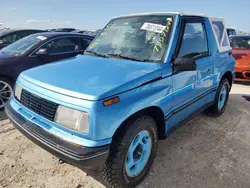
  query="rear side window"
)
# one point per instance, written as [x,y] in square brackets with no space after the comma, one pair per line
[194,41]
[62,45]
[220,33]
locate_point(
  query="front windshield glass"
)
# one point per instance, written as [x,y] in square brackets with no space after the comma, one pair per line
[23,45]
[142,38]
[240,42]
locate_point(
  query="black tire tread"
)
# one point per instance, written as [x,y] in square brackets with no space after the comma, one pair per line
[213,110]
[111,172]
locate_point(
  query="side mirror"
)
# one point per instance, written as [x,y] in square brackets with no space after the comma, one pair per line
[42,52]
[184,64]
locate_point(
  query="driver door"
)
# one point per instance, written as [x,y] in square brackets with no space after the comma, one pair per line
[192,43]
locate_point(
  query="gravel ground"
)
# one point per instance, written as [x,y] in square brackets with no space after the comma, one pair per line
[205,152]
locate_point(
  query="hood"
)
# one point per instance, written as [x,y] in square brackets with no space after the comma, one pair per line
[242,56]
[92,78]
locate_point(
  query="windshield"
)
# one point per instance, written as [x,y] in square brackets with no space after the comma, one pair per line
[23,45]
[142,38]
[240,42]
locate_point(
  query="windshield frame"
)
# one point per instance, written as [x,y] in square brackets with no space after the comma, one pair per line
[163,58]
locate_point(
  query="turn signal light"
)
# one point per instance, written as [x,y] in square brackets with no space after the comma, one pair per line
[111,101]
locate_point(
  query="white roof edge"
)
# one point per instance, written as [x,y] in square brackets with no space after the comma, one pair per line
[161,13]
[215,18]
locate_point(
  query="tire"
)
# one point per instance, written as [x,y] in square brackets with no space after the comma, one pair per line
[6,91]
[221,99]
[119,170]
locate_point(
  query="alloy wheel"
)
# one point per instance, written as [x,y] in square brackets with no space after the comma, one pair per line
[5,93]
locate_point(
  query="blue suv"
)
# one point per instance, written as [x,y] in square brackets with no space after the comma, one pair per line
[141,77]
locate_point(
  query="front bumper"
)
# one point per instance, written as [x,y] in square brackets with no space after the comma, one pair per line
[242,72]
[81,156]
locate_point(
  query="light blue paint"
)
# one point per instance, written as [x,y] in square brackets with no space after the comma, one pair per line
[85,82]
[80,76]
[52,128]
[138,153]
[222,97]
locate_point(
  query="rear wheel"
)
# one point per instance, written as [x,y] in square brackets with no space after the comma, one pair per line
[221,99]
[6,91]
[132,153]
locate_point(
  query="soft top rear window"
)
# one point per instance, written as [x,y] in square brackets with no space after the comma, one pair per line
[220,33]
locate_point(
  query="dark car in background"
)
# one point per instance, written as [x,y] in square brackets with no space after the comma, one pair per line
[62,29]
[34,50]
[88,32]
[231,32]
[8,36]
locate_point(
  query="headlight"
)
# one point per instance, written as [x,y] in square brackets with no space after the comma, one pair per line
[73,119]
[18,92]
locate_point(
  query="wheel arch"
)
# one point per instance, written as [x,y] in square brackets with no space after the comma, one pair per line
[8,78]
[229,76]
[155,112]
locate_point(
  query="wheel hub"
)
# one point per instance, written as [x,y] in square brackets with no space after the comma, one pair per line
[5,93]
[138,153]
[222,97]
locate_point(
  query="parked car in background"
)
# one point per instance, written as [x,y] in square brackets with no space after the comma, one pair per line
[34,50]
[141,77]
[89,32]
[64,30]
[241,52]
[9,36]
[231,32]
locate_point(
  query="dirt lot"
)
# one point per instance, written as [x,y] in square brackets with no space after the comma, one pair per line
[206,152]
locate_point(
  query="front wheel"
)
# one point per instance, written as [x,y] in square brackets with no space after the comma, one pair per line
[132,153]
[221,99]
[6,91]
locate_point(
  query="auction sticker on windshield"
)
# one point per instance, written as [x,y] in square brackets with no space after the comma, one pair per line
[41,37]
[153,27]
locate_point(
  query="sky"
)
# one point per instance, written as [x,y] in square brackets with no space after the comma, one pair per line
[95,14]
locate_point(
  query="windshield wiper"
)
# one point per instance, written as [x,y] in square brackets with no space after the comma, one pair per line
[96,54]
[131,58]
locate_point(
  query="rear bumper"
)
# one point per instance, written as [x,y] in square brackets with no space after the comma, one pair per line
[81,156]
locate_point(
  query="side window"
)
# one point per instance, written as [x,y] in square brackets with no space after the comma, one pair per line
[221,34]
[62,45]
[85,43]
[219,29]
[9,39]
[194,41]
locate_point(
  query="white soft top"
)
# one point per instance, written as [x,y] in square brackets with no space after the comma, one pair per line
[167,13]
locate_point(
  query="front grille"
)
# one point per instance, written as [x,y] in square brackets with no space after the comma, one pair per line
[39,105]
[239,75]
[247,74]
